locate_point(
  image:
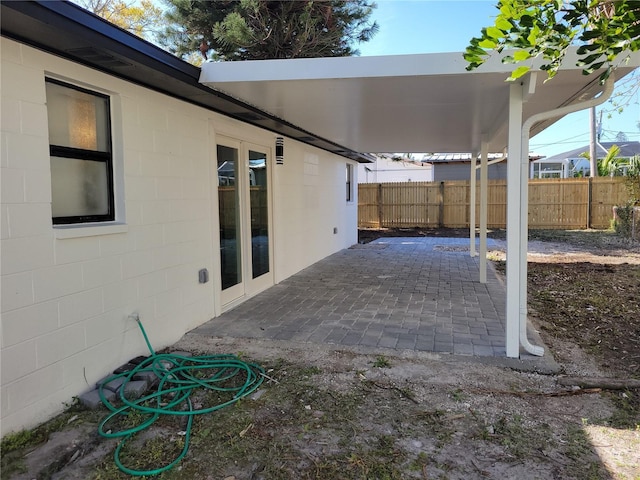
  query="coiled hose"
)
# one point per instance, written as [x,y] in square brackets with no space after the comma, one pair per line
[179,377]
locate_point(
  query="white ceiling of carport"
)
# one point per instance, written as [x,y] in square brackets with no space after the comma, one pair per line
[403,103]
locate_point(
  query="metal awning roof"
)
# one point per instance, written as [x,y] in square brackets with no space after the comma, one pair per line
[348,105]
[402,103]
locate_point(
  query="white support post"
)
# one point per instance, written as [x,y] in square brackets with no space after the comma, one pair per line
[523,159]
[472,208]
[514,231]
[484,174]
[524,238]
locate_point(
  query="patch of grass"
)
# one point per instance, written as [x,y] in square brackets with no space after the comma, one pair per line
[381,361]
[309,371]
[439,426]
[152,453]
[30,437]
[578,448]
[522,439]
[577,443]
[12,464]
[458,395]
[291,415]
[627,409]
[380,461]
[14,445]
[419,463]
[16,440]
[584,238]
[512,435]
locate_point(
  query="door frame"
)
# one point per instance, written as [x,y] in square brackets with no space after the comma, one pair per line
[248,286]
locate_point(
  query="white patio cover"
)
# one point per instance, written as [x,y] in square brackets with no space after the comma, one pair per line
[421,103]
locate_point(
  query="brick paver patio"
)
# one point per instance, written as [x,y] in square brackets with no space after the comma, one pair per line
[417,293]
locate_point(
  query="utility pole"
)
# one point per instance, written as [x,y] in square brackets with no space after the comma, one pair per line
[593,159]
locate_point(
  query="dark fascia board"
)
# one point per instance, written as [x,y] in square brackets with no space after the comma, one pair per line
[67,30]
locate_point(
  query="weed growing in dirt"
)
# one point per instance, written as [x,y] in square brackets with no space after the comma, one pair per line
[15,444]
[458,395]
[381,362]
[627,412]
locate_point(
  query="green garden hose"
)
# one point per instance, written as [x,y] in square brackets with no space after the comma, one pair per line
[179,377]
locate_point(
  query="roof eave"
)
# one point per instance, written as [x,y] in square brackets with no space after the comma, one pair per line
[67,30]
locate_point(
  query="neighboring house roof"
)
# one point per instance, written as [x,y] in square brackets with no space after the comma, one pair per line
[455,157]
[405,161]
[627,149]
[440,158]
[69,31]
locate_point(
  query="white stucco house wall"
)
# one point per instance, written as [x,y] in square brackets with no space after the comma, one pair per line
[393,168]
[74,270]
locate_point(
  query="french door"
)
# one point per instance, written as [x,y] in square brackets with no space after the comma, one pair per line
[245,219]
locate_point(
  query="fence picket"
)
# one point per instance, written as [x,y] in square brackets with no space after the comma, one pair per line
[573,203]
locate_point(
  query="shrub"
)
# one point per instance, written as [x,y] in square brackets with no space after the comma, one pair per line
[623,220]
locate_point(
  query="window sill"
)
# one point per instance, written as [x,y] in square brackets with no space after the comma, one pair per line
[89,230]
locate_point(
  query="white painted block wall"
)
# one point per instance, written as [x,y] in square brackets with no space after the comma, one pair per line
[66,301]
[67,293]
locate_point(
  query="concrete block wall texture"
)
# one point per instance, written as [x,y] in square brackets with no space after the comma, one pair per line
[67,293]
[309,201]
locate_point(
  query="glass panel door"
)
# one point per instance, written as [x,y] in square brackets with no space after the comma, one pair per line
[258,201]
[243,208]
[229,215]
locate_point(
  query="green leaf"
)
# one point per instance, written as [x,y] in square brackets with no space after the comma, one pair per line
[588,59]
[587,48]
[488,44]
[503,24]
[590,34]
[476,50]
[518,72]
[494,32]
[592,68]
[526,21]
[532,38]
[521,55]
[471,58]
[507,11]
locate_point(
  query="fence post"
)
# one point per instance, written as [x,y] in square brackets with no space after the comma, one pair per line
[379,205]
[589,201]
[441,205]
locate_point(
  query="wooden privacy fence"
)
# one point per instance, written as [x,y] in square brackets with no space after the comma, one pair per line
[571,203]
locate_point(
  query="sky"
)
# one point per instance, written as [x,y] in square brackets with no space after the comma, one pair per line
[429,26]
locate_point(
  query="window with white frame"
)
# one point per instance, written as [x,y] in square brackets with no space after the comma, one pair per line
[349,183]
[81,154]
